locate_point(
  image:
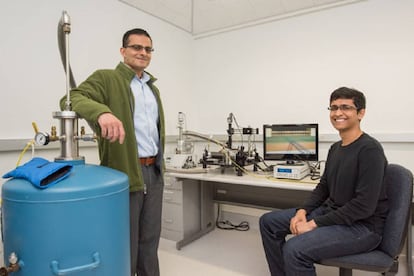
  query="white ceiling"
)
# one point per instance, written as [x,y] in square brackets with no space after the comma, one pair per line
[206,17]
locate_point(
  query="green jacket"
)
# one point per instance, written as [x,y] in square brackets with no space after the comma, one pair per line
[109,91]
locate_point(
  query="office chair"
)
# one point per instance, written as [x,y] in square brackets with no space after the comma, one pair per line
[397,230]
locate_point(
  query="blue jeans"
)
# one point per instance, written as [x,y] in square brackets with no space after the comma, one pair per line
[297,255]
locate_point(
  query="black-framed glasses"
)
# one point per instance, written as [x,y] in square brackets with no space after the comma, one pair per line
[138,48]
[342,107]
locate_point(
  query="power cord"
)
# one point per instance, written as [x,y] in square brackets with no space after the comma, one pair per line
[227,225]
[315,172]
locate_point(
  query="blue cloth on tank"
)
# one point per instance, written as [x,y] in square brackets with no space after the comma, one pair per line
[41,172]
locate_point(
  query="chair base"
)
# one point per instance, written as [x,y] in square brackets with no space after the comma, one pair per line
[391,272]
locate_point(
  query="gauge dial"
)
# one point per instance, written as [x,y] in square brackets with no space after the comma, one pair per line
[42,138]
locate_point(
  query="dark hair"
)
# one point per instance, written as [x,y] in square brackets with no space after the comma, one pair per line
[136,31]
[349,93]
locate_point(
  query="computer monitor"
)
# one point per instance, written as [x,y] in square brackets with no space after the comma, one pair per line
[290,142]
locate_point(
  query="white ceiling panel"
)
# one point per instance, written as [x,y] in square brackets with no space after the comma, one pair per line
[207,17]
[176,12]
[268,8]
[294,5]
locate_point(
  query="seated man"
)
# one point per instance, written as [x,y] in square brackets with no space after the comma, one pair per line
[346,211]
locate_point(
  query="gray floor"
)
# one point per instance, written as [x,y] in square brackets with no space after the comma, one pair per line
[227,253]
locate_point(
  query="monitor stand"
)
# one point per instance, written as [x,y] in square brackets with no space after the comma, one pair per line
[292,163]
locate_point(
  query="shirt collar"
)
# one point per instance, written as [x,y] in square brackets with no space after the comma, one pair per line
[145,77]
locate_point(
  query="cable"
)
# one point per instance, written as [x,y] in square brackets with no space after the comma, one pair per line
[315,175]
[315,172]
[30,143]
[227,225]
[268,168]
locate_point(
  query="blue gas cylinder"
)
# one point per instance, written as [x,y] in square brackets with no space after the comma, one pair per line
[80,226]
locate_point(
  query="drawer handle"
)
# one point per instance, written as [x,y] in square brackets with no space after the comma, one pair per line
[168,220]
[168,198]
[221,191]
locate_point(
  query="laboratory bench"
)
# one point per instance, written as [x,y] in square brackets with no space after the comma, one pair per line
[189,197]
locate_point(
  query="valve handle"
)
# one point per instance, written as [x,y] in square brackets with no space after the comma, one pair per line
[34,125]
[4,272]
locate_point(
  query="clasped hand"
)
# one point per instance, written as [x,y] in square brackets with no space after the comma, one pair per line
[299,224]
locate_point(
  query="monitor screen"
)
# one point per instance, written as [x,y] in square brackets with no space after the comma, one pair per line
[290,142]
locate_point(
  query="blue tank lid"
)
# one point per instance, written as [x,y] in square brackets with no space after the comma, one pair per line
[84,182]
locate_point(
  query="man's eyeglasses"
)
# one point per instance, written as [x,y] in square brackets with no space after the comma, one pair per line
[342,107]
[138,48]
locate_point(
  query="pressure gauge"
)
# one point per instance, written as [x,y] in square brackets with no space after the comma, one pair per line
[42,138]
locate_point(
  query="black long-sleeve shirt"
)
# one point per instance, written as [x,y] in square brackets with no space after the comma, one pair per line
[352,185]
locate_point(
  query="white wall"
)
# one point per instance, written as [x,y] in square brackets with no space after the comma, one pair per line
[284,72]
[32,75]
[280,72]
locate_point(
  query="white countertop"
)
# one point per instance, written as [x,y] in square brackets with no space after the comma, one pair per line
[251,178]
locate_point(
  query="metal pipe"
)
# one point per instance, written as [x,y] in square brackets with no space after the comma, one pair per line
[68,118]
[180,141]
[68,133]
[202,136]
[65,22]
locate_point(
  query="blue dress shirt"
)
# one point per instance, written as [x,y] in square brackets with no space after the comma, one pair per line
[145,117]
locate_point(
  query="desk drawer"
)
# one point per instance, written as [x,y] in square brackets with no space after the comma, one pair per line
[173,196]
[259,196]
[171,234]
[172,217]
[172,183]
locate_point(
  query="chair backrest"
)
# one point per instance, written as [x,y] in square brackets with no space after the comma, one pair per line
[399,185]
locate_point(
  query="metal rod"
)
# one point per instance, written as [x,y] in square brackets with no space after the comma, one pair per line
[66,29]
[199,135]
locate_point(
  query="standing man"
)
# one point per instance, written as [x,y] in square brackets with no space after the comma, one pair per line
[346,211]
[124,106]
